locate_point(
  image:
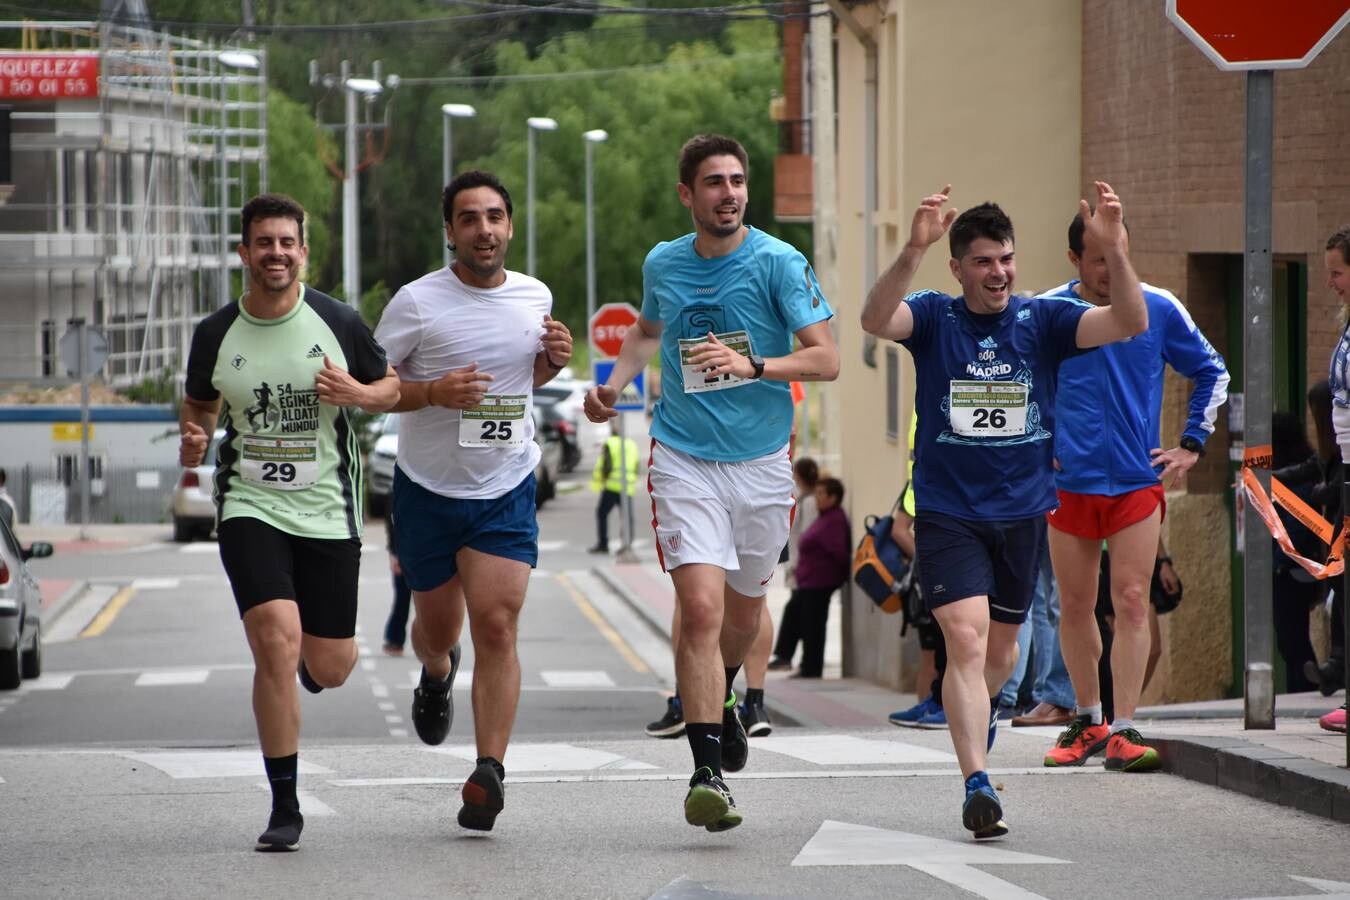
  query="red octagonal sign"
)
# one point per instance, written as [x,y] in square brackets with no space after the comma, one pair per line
[608,326]
[1259,34]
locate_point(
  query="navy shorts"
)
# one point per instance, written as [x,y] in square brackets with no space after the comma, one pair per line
[320,574]
[430,529]
[964,558]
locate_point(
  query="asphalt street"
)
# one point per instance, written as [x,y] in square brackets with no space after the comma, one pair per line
[131,769]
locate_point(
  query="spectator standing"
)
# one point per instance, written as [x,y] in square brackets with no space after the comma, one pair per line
[825,551]
[617,465]
[805,474]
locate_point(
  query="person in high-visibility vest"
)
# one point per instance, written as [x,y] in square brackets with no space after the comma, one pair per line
[617,456]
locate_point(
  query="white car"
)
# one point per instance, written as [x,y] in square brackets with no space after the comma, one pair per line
[380,465]
[194,511]
[20,611]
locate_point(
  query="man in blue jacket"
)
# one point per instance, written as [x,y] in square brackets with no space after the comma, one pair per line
[1108,456]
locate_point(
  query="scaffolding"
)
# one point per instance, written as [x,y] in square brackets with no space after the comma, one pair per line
[124,210]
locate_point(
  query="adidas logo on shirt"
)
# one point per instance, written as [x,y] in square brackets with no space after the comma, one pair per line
[314,352]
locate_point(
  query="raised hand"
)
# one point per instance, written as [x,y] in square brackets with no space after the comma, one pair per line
[930,222]
[191,445]
[599,404]
[336,387]
[459,388]
[1107,222]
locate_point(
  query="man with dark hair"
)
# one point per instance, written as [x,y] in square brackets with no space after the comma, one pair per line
[288,483]
[1109,488]
[722,305]
[986,364]
[470,341]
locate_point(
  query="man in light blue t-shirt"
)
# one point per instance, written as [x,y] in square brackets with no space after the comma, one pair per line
[723,306]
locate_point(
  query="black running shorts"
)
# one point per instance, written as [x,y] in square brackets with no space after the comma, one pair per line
[964,558]
[320,574]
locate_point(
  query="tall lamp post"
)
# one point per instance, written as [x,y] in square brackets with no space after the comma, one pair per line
[450,111]
[351,234]
[235,59]
[597,136]
[535,123]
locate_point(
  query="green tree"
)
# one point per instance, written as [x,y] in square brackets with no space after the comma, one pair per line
[296,154]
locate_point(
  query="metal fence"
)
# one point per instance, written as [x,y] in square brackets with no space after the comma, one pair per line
[50,495]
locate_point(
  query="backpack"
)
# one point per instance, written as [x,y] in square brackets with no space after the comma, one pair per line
[880,569]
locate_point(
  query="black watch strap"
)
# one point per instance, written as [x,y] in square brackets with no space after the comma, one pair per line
[758,363]
[1189,443]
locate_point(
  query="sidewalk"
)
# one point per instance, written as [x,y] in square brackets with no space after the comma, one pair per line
[1297,764]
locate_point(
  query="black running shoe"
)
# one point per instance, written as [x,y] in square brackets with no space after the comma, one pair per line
[484,796]
[283,832]
[982,813]
[735,742]
[755,718]
[709,803]
[671,725]
[306,680]
[433,709]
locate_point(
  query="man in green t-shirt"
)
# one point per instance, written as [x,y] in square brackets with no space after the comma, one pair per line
[278,371]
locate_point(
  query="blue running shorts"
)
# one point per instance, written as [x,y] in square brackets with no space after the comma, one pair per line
[963,558]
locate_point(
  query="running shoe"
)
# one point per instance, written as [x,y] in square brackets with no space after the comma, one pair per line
[735,742]
[982,813]
[483,797]
[283,832]
[1077,742]
[307,680]
[934,721]
[1334,720]
[433,709]
[709,803]
[755,718]
[671,725]
[909,718]
[1127,752]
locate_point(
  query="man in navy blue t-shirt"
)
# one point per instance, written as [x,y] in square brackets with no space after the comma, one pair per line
[986,364]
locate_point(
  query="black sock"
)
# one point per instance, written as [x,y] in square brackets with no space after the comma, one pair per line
[281,775]
[732,672]
[754,696]
[705,740]
[497,767]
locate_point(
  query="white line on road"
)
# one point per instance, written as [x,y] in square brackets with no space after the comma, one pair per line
[213,763]
[551,758]
[156,584]
[846,750]
[576,678]
[186,676]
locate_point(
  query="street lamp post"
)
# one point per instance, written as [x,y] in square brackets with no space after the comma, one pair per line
[535,123]
[351,234]
[450,111]
[592,138]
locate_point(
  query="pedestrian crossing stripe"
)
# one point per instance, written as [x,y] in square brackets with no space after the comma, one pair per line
[157,679]
[846,750]
[213,763]
[550,758]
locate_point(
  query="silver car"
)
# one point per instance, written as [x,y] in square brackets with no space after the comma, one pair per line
[194,510]
[20,611]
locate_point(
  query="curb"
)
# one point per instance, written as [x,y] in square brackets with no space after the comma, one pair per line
[62,603]
[662,628]
[1265,773]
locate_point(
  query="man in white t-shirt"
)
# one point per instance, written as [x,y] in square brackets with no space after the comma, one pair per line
[470,342]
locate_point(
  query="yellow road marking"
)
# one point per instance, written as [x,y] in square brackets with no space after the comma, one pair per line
[603,627]
[108,613]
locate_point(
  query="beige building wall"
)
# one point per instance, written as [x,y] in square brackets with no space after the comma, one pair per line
[979,94]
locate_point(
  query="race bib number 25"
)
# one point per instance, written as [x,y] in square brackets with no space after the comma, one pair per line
[499,421]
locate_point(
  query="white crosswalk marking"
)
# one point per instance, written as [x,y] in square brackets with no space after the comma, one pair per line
[551,758]
[48,683]
[580,678]
[846,750]
[156,584]
[208,547]
[213,763]
[157,679]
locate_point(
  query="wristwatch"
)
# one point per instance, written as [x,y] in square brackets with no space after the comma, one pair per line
[1189,443]
[758,363]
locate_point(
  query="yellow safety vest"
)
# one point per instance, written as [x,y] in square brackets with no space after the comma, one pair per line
[613,480]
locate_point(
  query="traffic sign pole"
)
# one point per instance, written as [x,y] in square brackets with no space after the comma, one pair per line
[82,373]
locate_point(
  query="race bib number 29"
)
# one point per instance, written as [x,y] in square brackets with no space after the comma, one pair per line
[988,408]
[499,421]
[280,464]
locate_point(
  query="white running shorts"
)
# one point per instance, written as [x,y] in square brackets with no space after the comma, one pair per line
[734,515]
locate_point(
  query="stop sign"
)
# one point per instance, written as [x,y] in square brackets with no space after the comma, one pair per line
[608,326]
[1259,34]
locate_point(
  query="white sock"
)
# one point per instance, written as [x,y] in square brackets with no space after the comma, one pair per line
[1094,713]
[1121,725]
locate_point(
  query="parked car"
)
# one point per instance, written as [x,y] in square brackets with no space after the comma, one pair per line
[380,467]
[562,399]
[194,510]
[20,610]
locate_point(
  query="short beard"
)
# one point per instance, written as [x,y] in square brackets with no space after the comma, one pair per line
[487,274]
[720,231]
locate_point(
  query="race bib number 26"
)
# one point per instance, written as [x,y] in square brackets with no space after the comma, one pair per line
[988,408]
[499,421]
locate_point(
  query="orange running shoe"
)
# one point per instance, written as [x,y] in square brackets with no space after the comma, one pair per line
[1077,742]
[1127,752]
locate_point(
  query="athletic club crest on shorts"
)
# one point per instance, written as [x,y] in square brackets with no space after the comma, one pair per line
[673,542]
